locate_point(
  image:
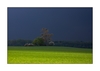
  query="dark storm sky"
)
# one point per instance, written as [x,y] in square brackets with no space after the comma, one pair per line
[70,24]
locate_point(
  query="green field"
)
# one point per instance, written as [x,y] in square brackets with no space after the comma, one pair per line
[48,55]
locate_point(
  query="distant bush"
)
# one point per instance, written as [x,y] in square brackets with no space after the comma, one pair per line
[38,41]
[29,44]
[51,43]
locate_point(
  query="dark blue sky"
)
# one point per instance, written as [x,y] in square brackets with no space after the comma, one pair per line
[70,24]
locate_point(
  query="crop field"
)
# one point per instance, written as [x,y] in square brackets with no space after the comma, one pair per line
[48,55]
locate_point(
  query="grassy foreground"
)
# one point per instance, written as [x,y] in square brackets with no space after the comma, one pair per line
[48,55]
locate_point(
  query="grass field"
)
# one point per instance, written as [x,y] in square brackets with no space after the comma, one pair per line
[48,55]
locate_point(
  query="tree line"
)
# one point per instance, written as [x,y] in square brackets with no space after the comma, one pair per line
[18,42]
[80,44]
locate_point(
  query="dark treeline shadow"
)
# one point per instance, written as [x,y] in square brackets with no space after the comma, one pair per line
[79,44]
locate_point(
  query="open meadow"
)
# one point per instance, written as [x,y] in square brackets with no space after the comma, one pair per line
[48,55]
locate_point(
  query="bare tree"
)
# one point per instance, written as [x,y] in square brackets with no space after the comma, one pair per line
[46,35]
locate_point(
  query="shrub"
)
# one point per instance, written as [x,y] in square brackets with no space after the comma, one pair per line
[38,41]
[51,43]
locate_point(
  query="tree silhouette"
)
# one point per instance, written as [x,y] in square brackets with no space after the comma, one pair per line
[38,41]
[46,36]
